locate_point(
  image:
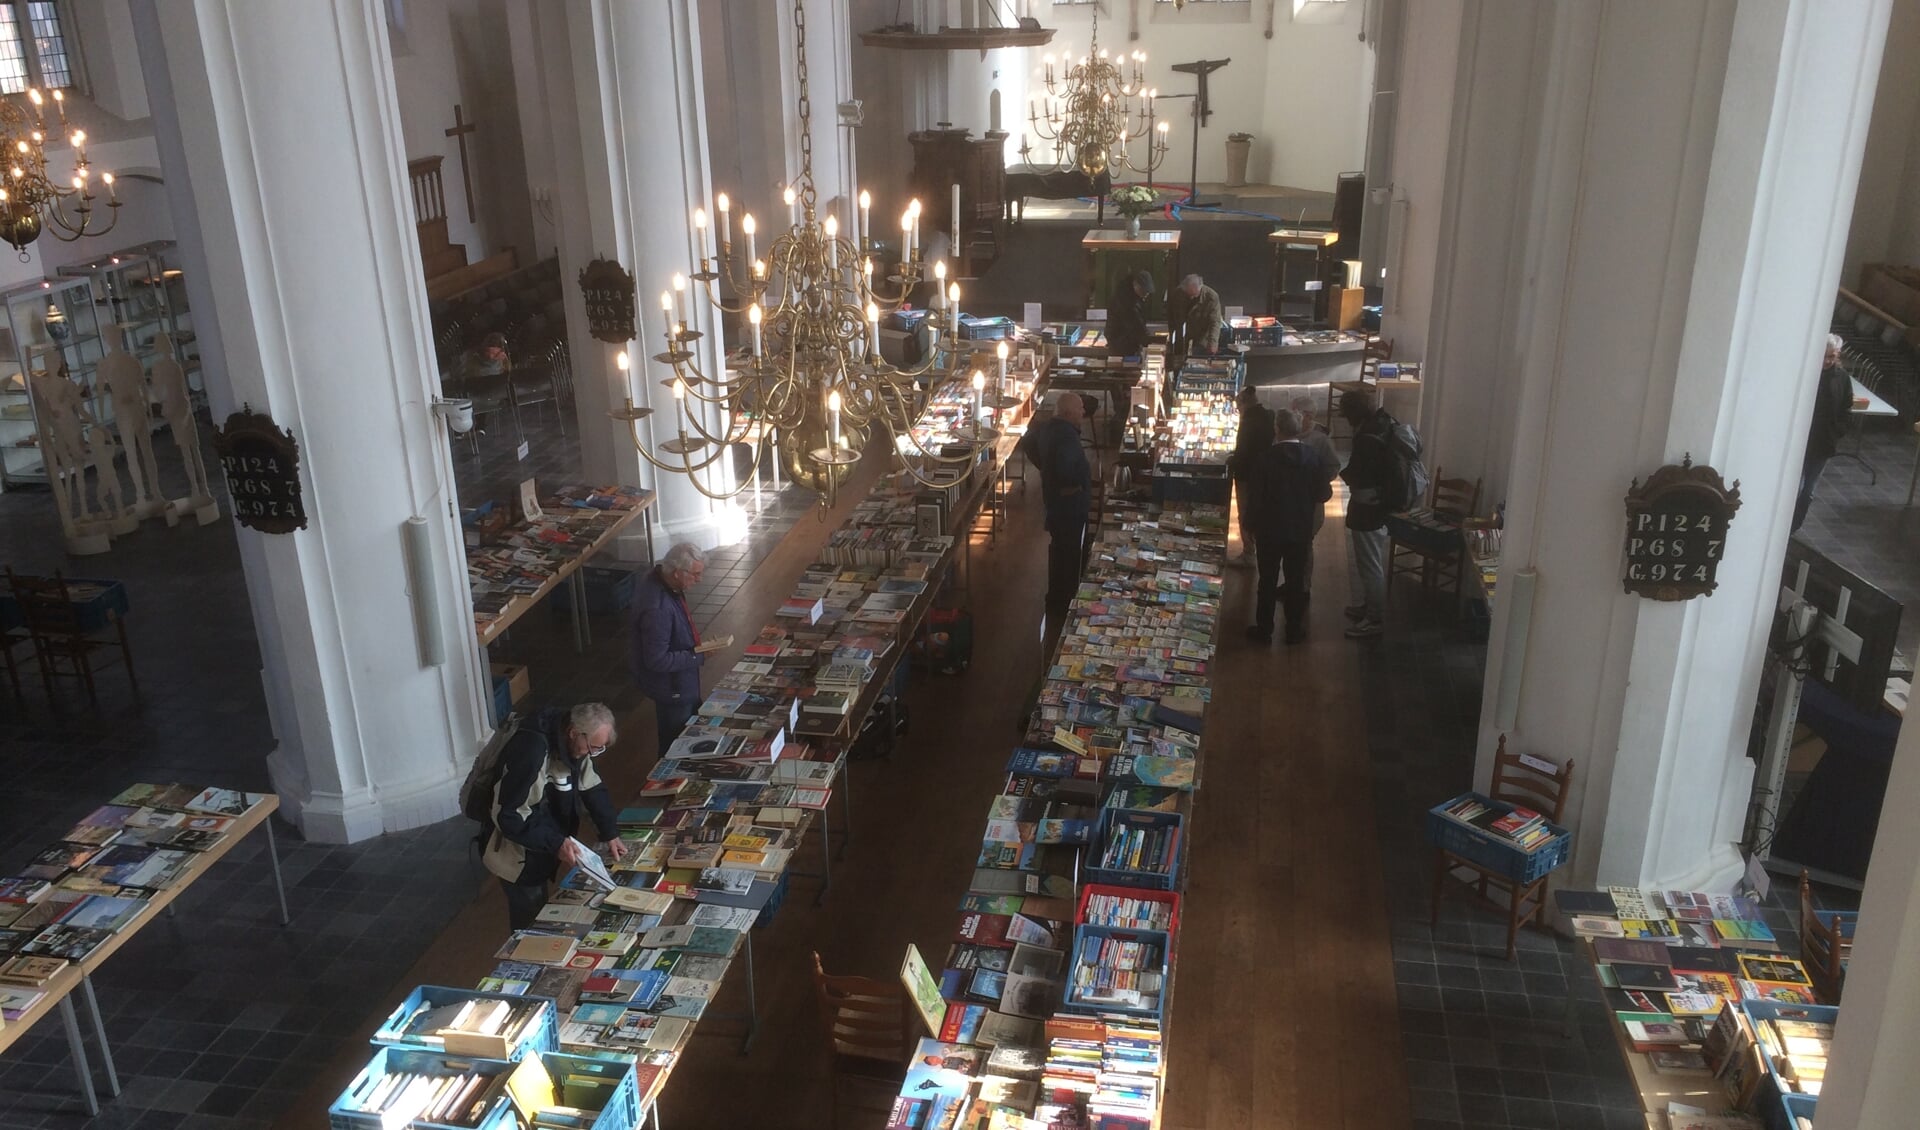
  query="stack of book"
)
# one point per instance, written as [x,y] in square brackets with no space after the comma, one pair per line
[96,879]
[523,558]
[1104,776]
[1522,827]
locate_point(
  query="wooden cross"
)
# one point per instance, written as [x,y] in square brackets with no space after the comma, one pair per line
[460,131]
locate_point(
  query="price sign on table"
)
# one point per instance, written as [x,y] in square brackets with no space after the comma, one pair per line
[262,462]
[1677,531]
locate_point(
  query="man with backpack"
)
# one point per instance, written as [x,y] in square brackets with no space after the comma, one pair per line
[1385,476]
[536,788]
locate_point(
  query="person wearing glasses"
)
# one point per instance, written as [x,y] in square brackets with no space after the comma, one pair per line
[546,778]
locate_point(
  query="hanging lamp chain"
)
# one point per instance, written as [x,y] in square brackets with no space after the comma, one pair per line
[808,196]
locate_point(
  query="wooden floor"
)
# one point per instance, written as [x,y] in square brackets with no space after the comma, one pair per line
[1283,1008]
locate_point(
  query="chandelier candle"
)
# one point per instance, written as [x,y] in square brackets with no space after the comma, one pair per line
[956,222]
[812,384]
[979,386]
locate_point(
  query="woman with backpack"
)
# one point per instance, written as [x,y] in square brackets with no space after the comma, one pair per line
[1376,476]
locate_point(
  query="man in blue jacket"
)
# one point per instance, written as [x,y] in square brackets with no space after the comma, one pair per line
[665,665]
[1066,490]
[546,779]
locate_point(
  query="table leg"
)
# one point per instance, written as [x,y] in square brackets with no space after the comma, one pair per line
[846,809]
[580,594]
[753,1004]
[646,522]
[100,1034]
[79,1052]
[826,869]
[273,856]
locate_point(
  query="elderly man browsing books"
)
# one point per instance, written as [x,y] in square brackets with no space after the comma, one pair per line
[666,648]
[546,779]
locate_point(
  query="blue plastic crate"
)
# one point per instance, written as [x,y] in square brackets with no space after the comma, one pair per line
[1086,943]
[619,1110]
[1778,1108]
[540,1036]
[609,585]
[1161,878]
[1791,1107]
[502,698]
[1496,853]
[499,1112]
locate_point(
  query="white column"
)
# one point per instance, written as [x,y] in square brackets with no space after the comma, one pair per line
[1685,234]
[1479,292]
[623,120]
[286,122]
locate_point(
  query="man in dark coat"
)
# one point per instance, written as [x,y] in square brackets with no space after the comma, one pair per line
[547,778]
[1832,415]
[1255,434]
[666,666]
[1066,490]
[1289,488]
[1127,317]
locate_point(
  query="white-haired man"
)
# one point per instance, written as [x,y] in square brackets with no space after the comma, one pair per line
[1832,414]
[666,666]
[547,779]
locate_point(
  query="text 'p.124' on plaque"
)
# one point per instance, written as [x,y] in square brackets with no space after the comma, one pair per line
[262,462]
[1677,531]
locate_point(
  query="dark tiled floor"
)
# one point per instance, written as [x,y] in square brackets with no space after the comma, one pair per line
[1491,1043]
[214,1015]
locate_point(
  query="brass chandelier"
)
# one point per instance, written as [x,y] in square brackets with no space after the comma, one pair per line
[31,203]
[1095,109]
[812,384]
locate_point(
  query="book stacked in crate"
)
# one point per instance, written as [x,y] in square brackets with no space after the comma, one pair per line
[1062,961]
[1770,1058]
[1514,841]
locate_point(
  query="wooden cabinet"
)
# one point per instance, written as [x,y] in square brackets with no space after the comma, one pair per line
[943,158]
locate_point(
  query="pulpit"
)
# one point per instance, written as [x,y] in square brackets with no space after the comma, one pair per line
[943,158]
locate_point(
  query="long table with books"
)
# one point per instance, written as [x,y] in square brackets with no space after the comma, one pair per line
[83,896]
[513,566]
[626,957]
[1053,993]
[1718,1029]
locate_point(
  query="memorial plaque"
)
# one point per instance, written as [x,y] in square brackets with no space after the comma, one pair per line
[608,290]
[262,463]
[1677,531]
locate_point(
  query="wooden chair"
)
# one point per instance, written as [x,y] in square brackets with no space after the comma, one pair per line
[63,645]
[10,639]
[1376,350]
[1429,553]
[867,1025]
[1826,944]
[1514,782]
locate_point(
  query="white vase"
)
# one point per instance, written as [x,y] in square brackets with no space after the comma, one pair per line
[1133,227]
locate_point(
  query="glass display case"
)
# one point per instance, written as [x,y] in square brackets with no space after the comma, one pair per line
[141,295]
[48,324]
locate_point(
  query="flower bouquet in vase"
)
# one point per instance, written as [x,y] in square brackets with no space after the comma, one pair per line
[1134,201]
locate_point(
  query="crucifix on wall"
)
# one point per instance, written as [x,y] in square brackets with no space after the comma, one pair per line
[460,131]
